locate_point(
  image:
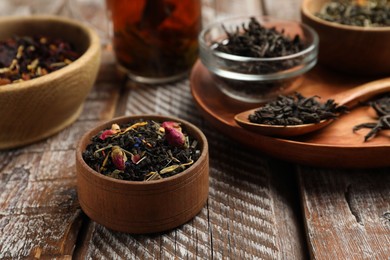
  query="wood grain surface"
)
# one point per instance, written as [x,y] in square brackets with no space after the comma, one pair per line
[240,218]
[347,213]
[41,217]
[39,212]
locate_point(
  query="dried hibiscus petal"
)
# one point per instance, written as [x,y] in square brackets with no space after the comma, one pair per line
[110,132]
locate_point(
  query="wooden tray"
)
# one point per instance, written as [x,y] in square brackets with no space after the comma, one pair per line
[333,146]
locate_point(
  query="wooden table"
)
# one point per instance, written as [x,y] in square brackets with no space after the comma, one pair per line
[258,207]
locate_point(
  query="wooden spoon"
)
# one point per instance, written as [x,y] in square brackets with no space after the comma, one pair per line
[349,98]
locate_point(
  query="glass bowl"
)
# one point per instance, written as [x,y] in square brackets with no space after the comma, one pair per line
[253,79]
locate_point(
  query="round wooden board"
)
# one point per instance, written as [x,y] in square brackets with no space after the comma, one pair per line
[333,146]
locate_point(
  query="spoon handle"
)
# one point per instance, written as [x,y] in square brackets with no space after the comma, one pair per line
[354,96]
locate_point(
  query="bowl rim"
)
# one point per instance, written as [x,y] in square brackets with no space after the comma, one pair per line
[305,11]
[92,49]
[99,127]
[308,49]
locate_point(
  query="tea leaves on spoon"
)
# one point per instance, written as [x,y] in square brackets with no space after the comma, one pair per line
[296,110]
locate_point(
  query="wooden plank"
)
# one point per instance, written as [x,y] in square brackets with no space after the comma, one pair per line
[289,222]
[347,213]
[234,8]
[239,221]
[283,9]
[39,211]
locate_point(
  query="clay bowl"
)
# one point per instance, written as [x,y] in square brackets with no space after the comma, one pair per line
[350,49]
[35,109]
[143,207]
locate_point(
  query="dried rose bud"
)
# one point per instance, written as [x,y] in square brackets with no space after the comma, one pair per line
[107,133]
[118,157]
[171,124]
[174,137]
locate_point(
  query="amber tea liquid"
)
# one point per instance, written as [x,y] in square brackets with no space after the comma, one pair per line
[155,41]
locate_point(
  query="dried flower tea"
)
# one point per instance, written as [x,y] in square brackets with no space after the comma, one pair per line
[142,150]
[296,110]
[382,109]
[367,13]
[256,41]
[24,58]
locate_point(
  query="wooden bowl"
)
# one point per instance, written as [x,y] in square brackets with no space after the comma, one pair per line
[351,49]
[143,207]
[35,109]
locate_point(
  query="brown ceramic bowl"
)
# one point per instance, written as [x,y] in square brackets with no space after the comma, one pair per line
[143,207]
[35,109]
[351,49]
